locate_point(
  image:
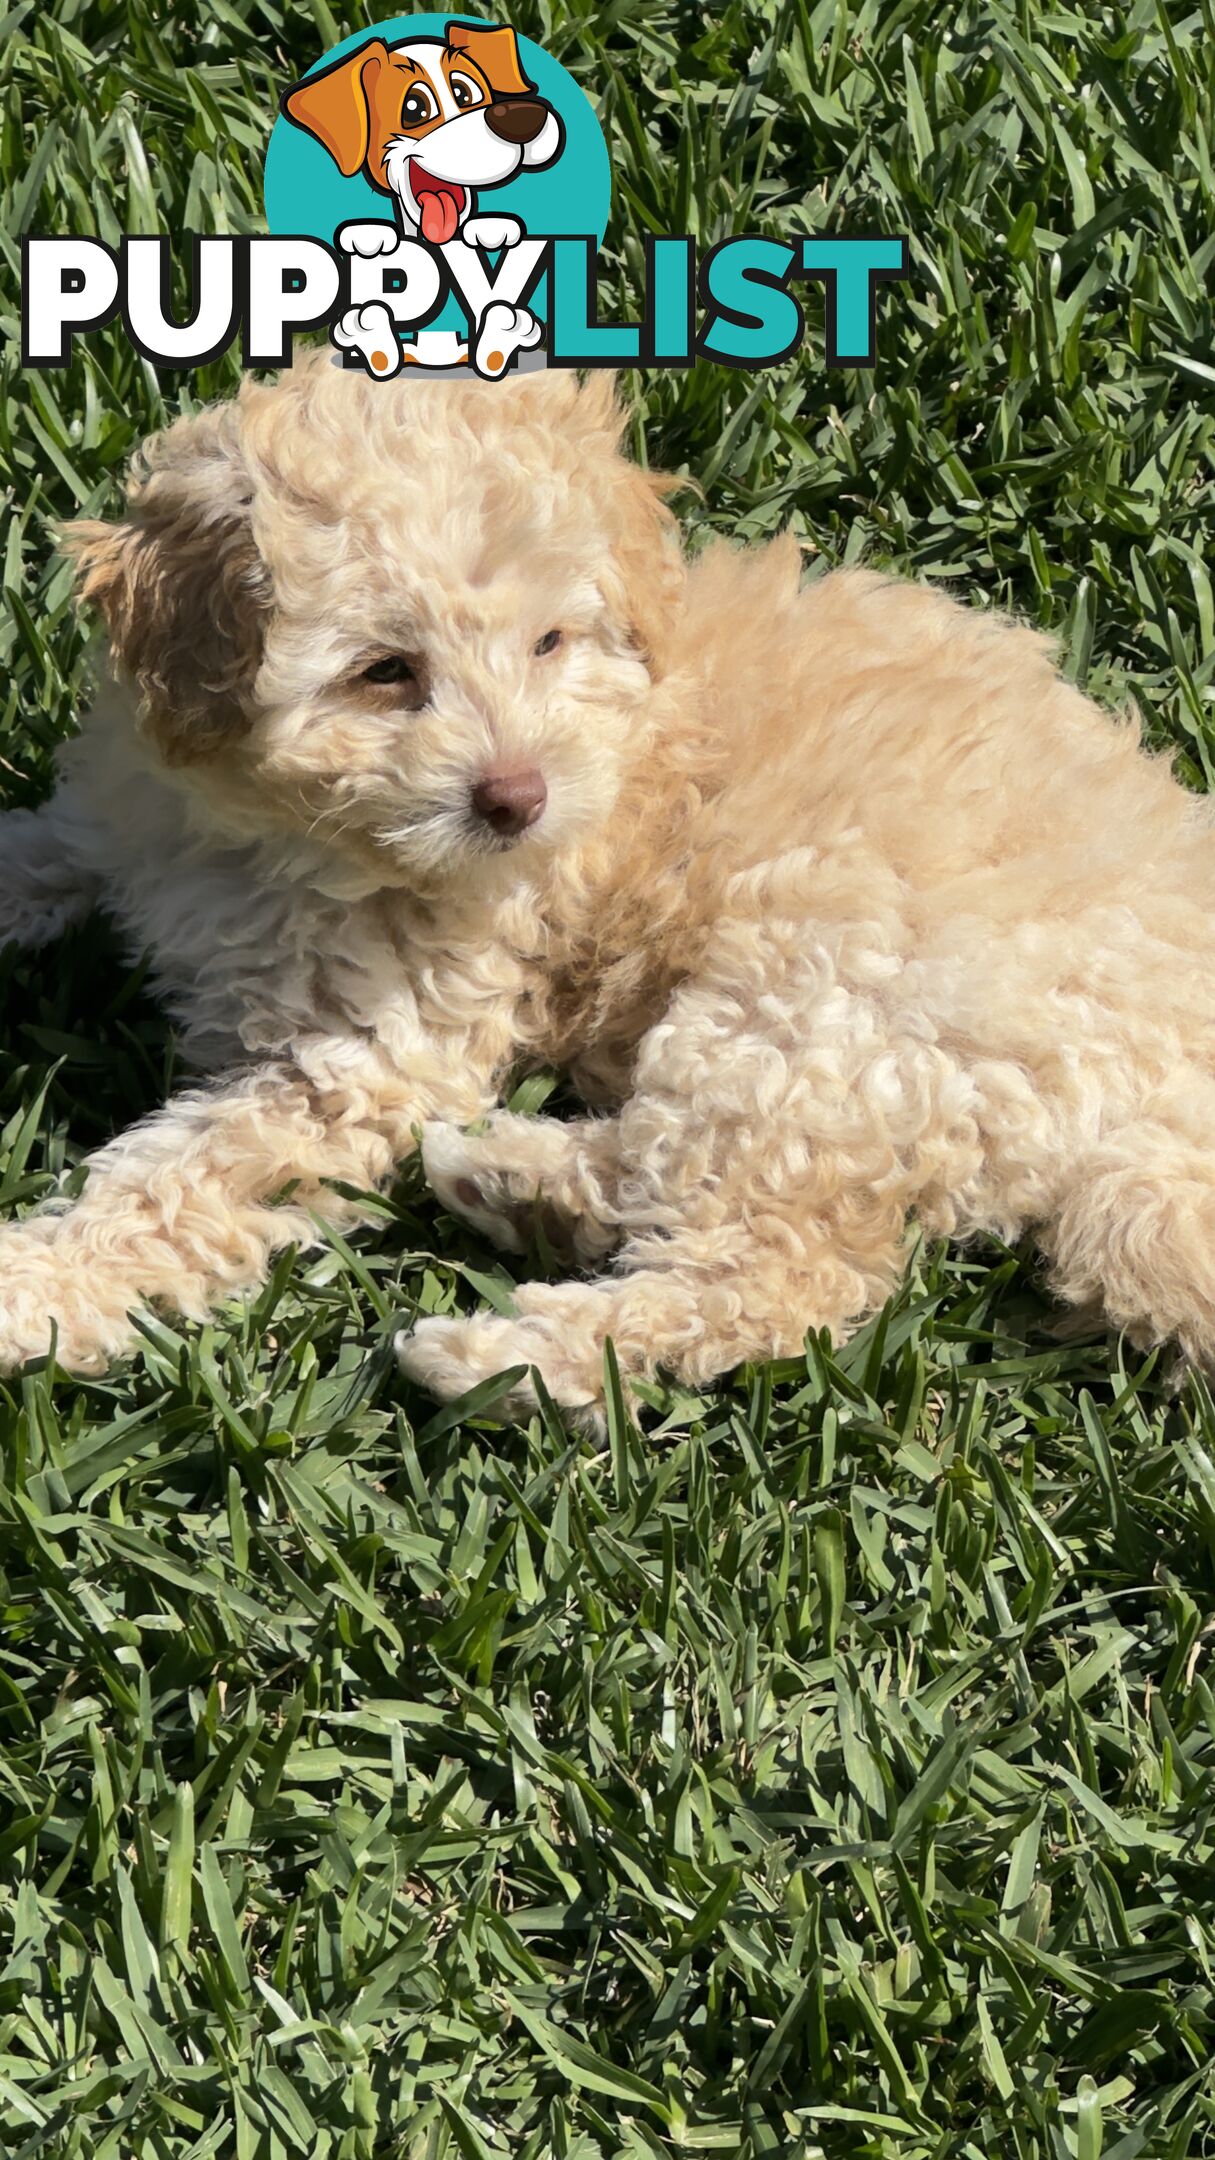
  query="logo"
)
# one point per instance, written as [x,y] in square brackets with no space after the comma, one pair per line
[439,157]
[437,190]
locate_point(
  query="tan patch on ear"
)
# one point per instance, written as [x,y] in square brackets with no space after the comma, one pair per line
[335,105]
[181,587]
[496,53]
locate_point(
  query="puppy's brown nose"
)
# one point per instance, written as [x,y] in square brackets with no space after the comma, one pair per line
[517,120]
[510,801]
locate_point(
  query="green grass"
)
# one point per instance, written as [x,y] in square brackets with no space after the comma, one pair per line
[827,1770]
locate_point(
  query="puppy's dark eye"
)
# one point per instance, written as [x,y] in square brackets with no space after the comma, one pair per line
[405,674]
[391,669]
[418,106]
[548,643]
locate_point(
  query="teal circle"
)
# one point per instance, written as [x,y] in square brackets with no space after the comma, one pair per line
[305,192]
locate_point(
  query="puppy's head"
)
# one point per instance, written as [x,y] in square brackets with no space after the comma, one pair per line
[418,622]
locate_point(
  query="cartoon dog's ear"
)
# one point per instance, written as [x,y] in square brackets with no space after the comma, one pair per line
[180,584]
[335,105]
[496,53]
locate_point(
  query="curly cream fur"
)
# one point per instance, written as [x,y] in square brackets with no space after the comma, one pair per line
[845,910]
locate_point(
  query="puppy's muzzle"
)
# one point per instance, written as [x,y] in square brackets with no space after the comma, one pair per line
[510,801]
[516,120]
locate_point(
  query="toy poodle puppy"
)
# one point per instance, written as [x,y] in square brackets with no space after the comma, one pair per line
[427,753]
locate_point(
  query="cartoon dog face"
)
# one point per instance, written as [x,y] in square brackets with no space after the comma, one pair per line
[430,120]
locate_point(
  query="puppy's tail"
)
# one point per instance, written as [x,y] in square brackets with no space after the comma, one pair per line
[44,887]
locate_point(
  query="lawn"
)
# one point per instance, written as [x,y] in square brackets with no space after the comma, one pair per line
[827,1766]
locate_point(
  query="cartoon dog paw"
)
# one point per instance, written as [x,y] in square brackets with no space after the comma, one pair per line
[502,332]
[492,232]
[370,331]
[380,238]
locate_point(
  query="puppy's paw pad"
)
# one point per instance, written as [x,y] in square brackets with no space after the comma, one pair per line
[370,331]
[503,331]
[458,1176]
[493,232]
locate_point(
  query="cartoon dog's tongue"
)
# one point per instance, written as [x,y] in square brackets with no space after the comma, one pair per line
[439,204]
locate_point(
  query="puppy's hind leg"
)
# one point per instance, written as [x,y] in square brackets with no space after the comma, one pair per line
[1135,1233]
[43,887]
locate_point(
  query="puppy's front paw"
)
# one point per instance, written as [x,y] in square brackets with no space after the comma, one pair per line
[512,1179]
[461,1175]
[447,1357]
[41,1298]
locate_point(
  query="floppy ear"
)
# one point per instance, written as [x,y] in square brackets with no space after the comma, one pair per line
[496,53]
[180,584]
[648,560]
[646,551]
[335,105]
